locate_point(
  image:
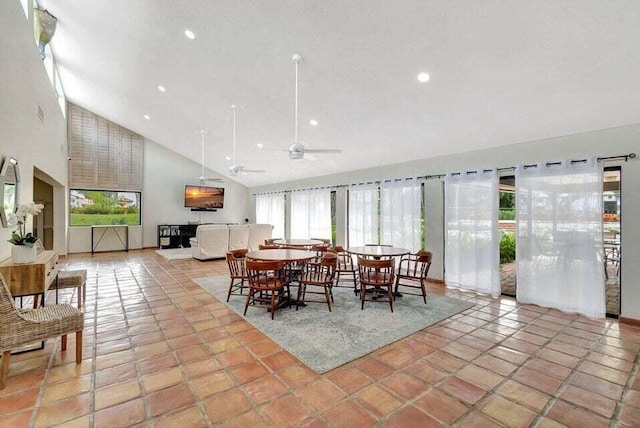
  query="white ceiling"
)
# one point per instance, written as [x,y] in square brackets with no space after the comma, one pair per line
[502,72]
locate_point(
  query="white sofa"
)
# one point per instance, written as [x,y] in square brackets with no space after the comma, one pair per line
[213,241]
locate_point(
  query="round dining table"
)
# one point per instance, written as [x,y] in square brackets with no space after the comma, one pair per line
[378,251]
[298,243]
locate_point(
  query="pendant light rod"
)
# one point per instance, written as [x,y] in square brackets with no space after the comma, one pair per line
[296,60]
[234,108]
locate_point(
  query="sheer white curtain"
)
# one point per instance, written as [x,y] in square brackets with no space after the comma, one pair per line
[472,254]
[311,214]
[400,214]
[270,210]
[363,215]
[559,236]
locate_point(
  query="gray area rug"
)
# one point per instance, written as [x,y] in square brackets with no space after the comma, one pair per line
[175,253]
[324,340]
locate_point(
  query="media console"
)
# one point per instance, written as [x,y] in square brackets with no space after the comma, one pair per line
[177,235]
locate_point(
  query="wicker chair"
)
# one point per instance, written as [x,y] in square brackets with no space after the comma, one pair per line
[20,327]
[237,272]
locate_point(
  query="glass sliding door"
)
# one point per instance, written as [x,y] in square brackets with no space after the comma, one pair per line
[611,238]
[507,226]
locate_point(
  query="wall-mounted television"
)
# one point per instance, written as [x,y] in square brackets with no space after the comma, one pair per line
[203,198]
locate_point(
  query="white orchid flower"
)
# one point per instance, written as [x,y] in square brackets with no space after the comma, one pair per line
[13,220]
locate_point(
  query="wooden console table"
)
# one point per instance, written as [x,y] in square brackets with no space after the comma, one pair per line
[28,279]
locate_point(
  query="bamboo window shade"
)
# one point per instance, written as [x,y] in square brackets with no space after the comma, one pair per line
[103,154]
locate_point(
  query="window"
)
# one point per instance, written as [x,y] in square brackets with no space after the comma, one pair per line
[363,215]
[94,207]
[401,214]
[270,210]
[311,214]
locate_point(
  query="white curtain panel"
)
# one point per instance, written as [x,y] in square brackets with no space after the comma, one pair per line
[472,255]
[559,236]
[400,214]
[270,210]
[363,215]
[311,214]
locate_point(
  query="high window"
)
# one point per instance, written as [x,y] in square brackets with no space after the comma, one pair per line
[270,210]
[311,213]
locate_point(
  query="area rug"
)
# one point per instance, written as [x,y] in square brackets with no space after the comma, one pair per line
[175,253]
[324,340]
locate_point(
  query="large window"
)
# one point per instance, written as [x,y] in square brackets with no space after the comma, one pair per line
[363,215]
[95,207]
[270,210]
[401,214]
[311,214]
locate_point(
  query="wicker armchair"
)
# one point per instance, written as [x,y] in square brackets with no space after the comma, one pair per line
[20,327]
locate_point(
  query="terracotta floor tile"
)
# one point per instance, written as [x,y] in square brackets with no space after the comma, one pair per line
[522,394]
[478,419]
[115,374]
[298,375]
[226,405]
[479,376]
[396,358]
[264,347]
[461,389]
[285,411]
[62,390]
[250,419]
[411,416]
[603,372]
[508,412]
[212,383]
[408,387]
[441,406]
[630,416]
[632,398]
[588,400]
[234,357]
[349,379]
[378,401]
[248,372]
[417,348]
[461,351]
[511,355]
[348,414]
[558,358]
[162,379]
[123,415]
[320,395]
[425,372]
[169,399]
[373,368]
[63,410]
[548,368]
[495,364]
[279,360]
[18,400]
[190,417]
[19,419]
[537,380]
[264,389]
[445,361]
[572,416]
[599,386]
[192,353]
[116,394]
[199,368]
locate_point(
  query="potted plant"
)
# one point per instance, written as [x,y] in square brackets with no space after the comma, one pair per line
[23,250]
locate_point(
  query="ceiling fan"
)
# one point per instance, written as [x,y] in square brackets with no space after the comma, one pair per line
[297,150]
[203,177]
[235,169]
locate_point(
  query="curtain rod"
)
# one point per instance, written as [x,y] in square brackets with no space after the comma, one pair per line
[432,176]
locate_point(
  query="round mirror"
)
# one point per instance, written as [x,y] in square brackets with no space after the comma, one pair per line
[9,180]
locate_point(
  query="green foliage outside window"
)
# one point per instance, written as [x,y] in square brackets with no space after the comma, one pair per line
[100,207]
[507,246]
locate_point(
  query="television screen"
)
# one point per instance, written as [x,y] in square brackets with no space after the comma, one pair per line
[201,197]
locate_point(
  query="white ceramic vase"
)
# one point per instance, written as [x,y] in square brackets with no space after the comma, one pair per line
[23,254]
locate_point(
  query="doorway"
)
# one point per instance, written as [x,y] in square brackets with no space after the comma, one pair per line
[507,230]
[43,222]
[611,237]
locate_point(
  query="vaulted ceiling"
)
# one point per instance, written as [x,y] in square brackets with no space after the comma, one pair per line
[501,72]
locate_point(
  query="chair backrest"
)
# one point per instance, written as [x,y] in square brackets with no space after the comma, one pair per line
[345,261]
[265,273]
[267,247]
[416,265]
[9,315]
[236,262]
[376,271]
[322,271]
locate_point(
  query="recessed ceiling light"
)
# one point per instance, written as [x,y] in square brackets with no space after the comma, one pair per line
[260,145]
[423,77]
[227,157]
[313,122]
[189,34]
[162,88]
[146,116]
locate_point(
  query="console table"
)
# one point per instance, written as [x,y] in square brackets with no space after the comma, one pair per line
[31,279]
[114,229]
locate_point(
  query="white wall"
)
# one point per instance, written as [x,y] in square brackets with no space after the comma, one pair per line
[606,142]
[24,85]
[165,175]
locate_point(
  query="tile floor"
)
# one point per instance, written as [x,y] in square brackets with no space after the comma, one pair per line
[159,351]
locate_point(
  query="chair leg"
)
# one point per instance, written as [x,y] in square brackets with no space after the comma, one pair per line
[326,293]
[4,370]
[230,288]
[64,342]
[424,291]
[300,294]
[246,305]
[78,347]
[273,304]
[390,296]
[363,292]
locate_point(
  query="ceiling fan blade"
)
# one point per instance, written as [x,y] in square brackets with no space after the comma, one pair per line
[323,150]
[309,157]
[201,178]
[253,170]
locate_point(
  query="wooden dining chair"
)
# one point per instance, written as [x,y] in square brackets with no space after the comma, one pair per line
[317,275]
[237,272]
[377,278]
[267,284]
[412,273]
[346,268]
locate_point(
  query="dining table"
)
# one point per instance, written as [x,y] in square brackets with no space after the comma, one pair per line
[297,243]
[379,251]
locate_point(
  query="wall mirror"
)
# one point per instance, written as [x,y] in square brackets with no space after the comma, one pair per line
[9,186]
